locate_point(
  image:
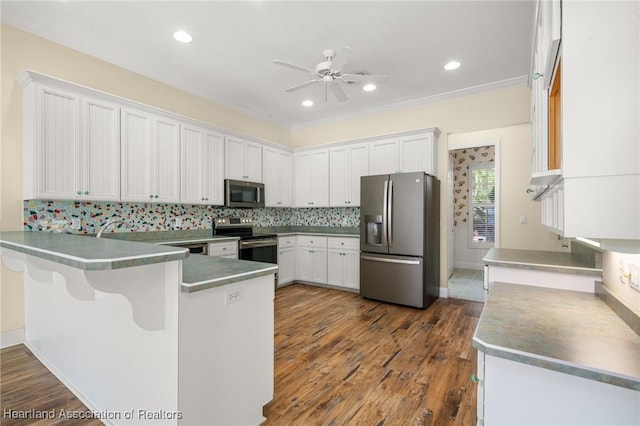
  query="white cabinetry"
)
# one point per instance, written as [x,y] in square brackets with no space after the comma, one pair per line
[72,145]
[150,157]
[344,262]
[312,258]
[347,164]
[384,156]
[277,173]
[418,153]
[598,145]
[227,249]
[311,187]
[539,397]
[404,154]
[286,259]
[243,159]
[202,166]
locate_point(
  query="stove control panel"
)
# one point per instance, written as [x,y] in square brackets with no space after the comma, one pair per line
[232,222]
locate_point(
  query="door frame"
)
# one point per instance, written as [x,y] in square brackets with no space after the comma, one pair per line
[452,146]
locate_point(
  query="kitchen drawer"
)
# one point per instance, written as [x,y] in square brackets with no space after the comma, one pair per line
[286,242]
[344,243]
[226,249]
[312,241]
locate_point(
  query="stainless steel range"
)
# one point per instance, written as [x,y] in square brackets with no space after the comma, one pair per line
[252,246]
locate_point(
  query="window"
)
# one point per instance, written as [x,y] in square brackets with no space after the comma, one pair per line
[482,209]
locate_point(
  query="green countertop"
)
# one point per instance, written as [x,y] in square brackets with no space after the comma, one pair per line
[169,237]
[571,332]
[540,260]
[89,253]
[203,272]
[126,250]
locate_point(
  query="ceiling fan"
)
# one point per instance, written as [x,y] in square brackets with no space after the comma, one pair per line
[330,73]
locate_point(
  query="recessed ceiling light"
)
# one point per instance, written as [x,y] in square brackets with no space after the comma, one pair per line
[453,65]
[307,103]
[183,36]
[369,87]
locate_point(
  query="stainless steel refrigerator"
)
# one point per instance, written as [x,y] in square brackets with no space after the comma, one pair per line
[400,238]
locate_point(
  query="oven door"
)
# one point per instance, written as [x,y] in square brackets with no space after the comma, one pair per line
[259,250]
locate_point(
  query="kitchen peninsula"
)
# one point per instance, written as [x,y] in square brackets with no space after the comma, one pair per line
[144,334]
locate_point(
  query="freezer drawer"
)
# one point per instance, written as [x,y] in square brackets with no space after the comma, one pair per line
[394,279]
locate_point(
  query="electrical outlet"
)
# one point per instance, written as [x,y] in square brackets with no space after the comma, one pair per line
[178,222]
[232,296]
[634,276]
[622,273]
[75,223]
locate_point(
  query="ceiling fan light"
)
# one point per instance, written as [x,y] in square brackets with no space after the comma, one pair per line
[369,87]
[307,103]
[183,36]
[453,65]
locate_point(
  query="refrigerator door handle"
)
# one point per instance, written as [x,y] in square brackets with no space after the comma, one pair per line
[385,260]
[390,214]
[385,202]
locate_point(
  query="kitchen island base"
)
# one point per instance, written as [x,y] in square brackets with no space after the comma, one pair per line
[136,349]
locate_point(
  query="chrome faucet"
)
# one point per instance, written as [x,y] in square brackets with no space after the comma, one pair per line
[110,222]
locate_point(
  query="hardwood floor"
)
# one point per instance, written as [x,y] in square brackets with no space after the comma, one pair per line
[339,359]
[29,389]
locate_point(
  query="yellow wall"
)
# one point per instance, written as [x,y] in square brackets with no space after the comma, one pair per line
[20,50]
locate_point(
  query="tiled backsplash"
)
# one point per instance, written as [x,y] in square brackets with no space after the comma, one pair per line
[57,216]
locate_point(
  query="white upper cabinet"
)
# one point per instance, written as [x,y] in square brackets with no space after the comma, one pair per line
[418,153]
[243,159]
[384,156]
[347,164]
[311,187]
[150,157]
[590,139]
[72,143]
[277,173]
[100,150]
[202,166]
[404,154]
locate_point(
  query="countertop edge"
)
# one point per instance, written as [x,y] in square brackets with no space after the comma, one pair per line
[553,364]
[542,267]
[217,282]
[96,264]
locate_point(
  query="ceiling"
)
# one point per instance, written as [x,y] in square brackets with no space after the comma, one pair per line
[235,42]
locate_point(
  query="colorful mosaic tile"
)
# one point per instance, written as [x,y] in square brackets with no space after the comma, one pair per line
[58,216]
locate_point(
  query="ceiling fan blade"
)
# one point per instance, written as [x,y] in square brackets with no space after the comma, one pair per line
[293,66]
[364,78]
[341,58]
[302,85]
[339,92]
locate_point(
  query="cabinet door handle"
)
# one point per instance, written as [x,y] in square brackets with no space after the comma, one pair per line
[474,378]
[86,192]
[79,192]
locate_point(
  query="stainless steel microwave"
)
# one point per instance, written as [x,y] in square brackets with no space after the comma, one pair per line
[238,193]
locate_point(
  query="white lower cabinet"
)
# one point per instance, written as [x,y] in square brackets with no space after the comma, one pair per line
[312,258]
[343,262]
[227,249]
[515,393]
[286,259]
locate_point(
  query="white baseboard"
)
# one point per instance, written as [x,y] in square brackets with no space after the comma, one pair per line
[11,338]
[444,292]
[470,265]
